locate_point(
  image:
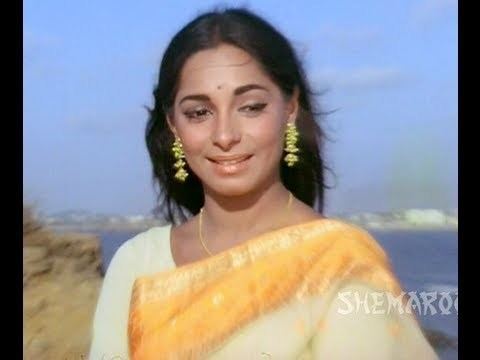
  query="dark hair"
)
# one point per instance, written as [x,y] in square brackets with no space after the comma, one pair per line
[241,28]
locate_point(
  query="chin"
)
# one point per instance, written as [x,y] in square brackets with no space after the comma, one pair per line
[232,190]
[231,187]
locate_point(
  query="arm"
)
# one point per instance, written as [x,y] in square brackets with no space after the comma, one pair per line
[373,331]
[109,337]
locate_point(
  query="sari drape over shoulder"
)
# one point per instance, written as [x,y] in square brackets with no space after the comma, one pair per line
[272,297]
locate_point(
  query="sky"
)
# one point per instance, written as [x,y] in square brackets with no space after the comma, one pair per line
[388,69]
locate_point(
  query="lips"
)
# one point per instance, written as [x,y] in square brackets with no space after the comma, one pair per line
[231,165]
[230,160]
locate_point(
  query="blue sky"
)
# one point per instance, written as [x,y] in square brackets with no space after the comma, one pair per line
[390,68]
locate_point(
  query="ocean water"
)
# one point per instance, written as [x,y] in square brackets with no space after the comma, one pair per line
[427,262]
[424,262]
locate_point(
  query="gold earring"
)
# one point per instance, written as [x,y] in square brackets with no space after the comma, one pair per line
[177,150]
[291,138]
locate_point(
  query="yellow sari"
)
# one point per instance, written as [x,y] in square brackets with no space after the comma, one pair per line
[275,296]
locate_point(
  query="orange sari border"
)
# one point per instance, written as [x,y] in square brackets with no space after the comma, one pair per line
[188,312]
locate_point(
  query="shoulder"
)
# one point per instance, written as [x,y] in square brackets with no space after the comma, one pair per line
[156,235]
[346,237]
[136,252]
[351,252]
[304,214]
[355,238]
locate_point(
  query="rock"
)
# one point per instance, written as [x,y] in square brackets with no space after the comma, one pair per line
[37,238]
[30,222]
[62,280]
[33,254]
[36,349]
[32,306]
[440,340]
[35,262]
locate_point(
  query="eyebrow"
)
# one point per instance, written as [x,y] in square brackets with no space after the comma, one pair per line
[238,91]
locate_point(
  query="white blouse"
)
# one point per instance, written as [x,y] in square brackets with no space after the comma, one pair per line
[147,253]
[392,336]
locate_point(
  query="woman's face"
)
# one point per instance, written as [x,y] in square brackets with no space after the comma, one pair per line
[227,107]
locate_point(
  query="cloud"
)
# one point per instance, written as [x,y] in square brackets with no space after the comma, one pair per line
[41,54]
[348,198]
[35,39]
[35,42]
[105,123]
[337,38]
[348,38]
[361,78]
[428,12]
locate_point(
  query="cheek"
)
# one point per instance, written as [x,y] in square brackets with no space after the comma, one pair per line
[268,134]
[193,142]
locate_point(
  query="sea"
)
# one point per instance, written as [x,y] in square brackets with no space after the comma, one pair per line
[426,264]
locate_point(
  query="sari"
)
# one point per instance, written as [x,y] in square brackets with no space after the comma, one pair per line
[286,294]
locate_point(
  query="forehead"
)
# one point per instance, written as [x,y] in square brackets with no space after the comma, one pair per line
[221,67]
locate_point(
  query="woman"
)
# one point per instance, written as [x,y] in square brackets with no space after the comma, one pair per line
[256,272]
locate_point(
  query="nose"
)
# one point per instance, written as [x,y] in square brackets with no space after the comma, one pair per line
[226,133]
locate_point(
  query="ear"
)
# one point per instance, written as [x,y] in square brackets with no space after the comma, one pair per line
[293,106]
[170,124]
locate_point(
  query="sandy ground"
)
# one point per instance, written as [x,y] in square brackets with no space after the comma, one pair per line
[61,282]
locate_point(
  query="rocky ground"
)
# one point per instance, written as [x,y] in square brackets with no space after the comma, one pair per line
[61,282]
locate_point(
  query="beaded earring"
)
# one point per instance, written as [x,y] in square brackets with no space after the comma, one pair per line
[177,150]
[291,138]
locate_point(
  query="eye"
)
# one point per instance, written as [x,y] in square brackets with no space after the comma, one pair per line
[253,108]
[198,113]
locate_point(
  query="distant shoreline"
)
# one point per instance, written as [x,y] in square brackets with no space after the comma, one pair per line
[410,228]
[96,229]
[398,220]
[139,228]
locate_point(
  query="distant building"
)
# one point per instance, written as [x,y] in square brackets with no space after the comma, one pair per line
[425,217]
[135,218]
[452,220]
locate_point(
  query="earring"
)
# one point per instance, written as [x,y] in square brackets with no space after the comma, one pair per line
[177,150]
[291,138]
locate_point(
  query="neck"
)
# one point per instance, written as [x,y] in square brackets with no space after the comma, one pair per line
[230,220]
